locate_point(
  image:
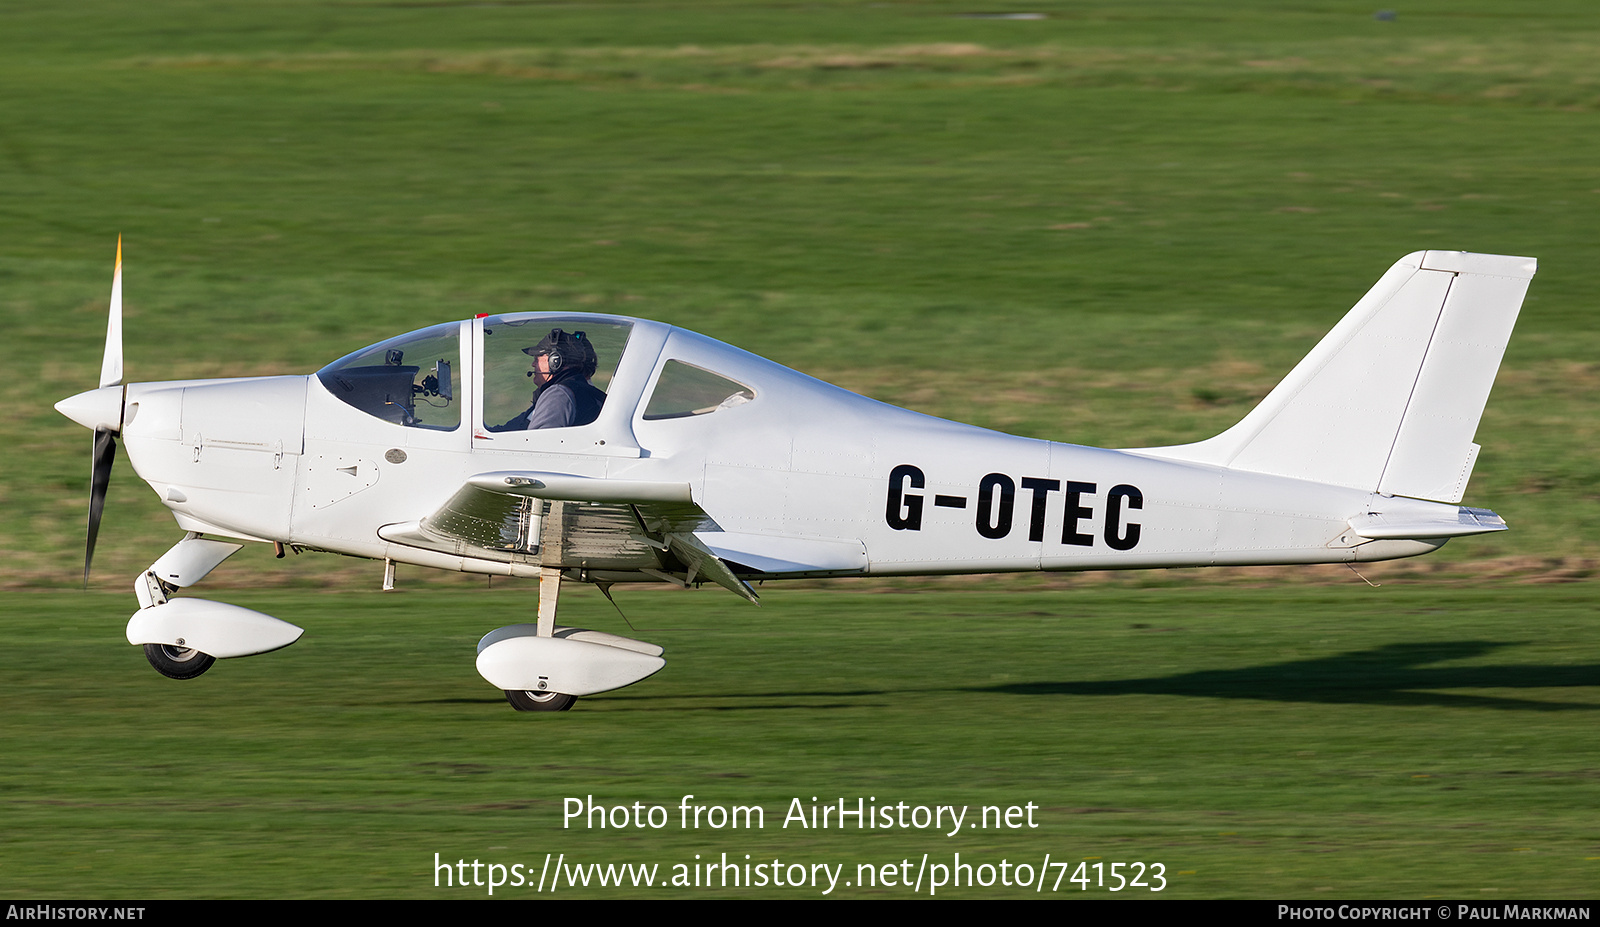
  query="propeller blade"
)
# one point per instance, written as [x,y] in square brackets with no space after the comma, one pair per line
[111,365]
[105,439]
[105,452]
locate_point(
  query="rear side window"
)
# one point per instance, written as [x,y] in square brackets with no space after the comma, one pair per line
[684,389]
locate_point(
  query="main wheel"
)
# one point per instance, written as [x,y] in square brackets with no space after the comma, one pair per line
[527,700]
[176,662]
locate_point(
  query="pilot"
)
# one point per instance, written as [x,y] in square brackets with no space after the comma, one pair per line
[562,365]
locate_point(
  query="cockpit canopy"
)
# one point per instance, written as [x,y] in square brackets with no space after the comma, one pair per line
[414,380]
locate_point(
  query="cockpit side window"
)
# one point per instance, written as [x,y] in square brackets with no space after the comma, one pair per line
[410,380]
[548,371]
[684,389]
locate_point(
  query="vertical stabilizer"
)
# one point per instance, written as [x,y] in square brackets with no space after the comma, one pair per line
[1388,401]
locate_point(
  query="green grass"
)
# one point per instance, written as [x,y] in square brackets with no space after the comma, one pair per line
[1119,225]
[1335,742]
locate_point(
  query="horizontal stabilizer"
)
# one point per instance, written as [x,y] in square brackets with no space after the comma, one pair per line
[1409,525]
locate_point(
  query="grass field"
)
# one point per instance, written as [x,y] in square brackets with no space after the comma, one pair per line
[1118,225]
[1339,742]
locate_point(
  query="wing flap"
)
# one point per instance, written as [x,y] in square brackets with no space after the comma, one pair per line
[777,555]
[703,563]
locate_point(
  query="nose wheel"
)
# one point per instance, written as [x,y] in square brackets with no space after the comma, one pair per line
[176,662]
[526,700]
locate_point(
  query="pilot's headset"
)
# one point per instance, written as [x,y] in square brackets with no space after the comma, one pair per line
[568,354]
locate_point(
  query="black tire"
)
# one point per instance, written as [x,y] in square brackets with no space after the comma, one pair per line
[523,700]
[176,662]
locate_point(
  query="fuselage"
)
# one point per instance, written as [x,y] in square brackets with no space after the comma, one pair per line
[284,459]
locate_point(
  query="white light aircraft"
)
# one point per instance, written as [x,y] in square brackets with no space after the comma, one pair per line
[665,456]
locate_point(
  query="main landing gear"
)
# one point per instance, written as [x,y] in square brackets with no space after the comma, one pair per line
[176,662]
[542,667]
[526,700]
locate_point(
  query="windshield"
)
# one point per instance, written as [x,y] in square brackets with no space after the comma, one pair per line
[409,380]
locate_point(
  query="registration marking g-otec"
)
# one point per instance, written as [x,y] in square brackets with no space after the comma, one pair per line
[997,507]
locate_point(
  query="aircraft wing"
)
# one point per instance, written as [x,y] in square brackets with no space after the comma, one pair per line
[576,522]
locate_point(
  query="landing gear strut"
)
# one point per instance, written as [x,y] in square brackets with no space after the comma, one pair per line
[539,699]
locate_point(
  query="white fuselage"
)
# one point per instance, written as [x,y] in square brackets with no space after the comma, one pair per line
[282,459]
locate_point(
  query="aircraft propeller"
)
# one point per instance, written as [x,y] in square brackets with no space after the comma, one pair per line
[105,451]
[105,442]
